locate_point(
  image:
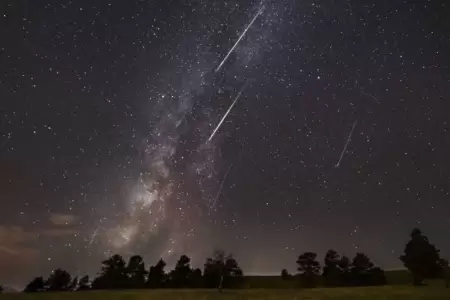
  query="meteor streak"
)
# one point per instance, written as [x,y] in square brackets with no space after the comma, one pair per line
[93,236]
[228,111]
[221,187]
[346,144]
[239,39]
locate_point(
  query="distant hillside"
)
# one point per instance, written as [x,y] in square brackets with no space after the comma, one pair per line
[7,289]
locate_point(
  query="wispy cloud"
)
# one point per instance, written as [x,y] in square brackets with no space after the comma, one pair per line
[62,219]
[57,232]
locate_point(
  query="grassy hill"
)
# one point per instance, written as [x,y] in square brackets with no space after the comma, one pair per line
[393,277]
[369,293]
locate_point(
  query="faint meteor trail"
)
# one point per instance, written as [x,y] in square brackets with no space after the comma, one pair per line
[221,187]
[346,144]
[370,95]
[228,111]
[93,236]
[239,39]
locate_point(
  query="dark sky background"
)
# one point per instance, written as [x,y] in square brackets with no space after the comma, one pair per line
[106,110]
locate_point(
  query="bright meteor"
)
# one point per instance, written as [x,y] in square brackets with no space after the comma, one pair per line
[239,39]
[346,144]
[228,111]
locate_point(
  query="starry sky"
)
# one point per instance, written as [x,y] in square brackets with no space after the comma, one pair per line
[333,131]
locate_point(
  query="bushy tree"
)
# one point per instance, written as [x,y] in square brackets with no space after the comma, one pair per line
[84,284]
[36,285]
[113,274]
[364,273]
[377,277]
[222,271]
[344,266]
[309,268]
[1,289]
[232,273]
[421,258]
[332,274]
[285,274]
[179,277]
[59,280]
[157,276]
[136,272]
[446,274]
[196,278]
[361,268]
[73,286]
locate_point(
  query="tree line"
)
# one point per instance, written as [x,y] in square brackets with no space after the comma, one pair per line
[221,270]
[420,257]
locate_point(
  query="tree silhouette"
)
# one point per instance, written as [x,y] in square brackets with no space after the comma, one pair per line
[377,277]
[232,274]
[361,268]
[36,285]
[344,266]
[309,268]
[222,271]
[1,289]
[157,276]
[196,278]
[73,286]
[285,274]
[363,272]
[83,284]
[136,272]
[113,274]
[332,273]
[179,277]
[446,272]
[421,258]
[59,280]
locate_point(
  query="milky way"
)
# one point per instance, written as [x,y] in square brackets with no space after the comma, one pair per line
[159,199]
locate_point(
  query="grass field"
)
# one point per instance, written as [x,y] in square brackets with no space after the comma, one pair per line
[393,277]
[372,293]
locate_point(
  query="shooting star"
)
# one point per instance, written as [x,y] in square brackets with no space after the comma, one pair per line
[240,38]
[221,187]
[228,111]
[370,95]
[93,236]
[346,144]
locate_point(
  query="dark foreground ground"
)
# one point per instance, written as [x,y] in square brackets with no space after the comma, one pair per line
[385,293]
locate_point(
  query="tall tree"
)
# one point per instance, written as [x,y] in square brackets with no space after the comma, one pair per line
[83,284]
[222,271]
[157,276]
[344,266]
[360,269]
[113,274]
[196,278]
[36,285]
[332,273]
[73,286]
[421,258]
[232,275]
[136,272]
[363,272]
[309,268]
[179,277]
[59,280]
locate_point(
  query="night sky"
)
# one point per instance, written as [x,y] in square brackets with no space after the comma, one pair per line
[338,138]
